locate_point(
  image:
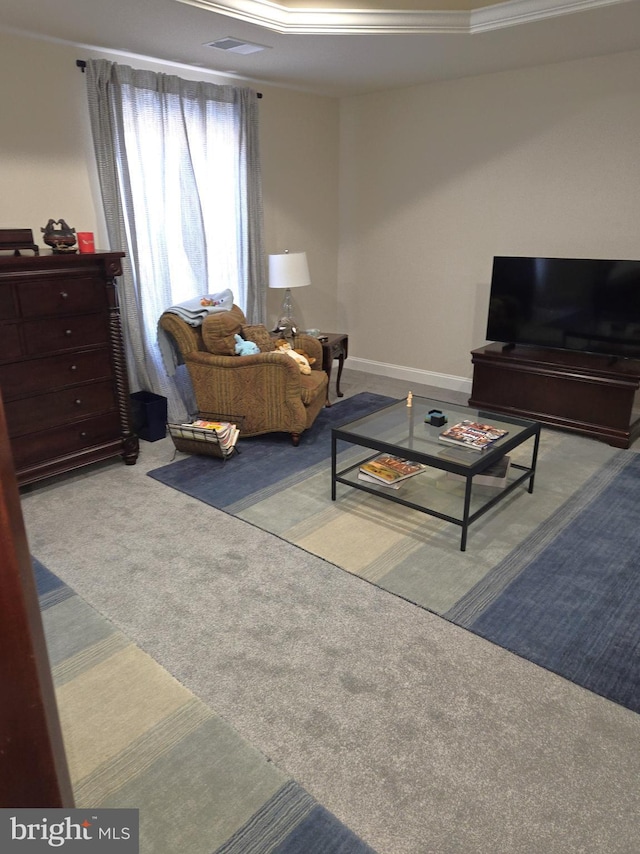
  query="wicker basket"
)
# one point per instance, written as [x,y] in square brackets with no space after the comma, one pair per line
[200,440]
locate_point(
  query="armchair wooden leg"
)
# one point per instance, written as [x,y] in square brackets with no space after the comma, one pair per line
[295,438]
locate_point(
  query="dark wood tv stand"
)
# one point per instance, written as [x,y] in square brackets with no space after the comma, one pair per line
[584,392]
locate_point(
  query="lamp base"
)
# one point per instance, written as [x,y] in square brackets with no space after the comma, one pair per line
[287,326]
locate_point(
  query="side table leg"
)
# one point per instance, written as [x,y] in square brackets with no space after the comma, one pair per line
[327,370]
[340,366]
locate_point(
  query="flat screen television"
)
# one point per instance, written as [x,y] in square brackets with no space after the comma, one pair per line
[589,305]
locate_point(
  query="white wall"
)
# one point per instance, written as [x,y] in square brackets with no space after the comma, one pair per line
[45,170]
[47,167]
[419,188]
[300,151]
[437,179]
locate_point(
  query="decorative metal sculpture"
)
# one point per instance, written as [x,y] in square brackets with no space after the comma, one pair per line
[61,239]
[286,328]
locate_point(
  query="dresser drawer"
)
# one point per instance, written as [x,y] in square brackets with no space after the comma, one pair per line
[59,407]
[62,295]
[9,342]
[65,333]
[35,376]
[48,444]
[7,307]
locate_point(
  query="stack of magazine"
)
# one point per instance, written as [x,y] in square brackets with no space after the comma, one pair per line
[387,470]
[472,435]
[222,434]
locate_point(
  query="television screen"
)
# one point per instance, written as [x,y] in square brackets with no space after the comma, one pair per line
[580,304]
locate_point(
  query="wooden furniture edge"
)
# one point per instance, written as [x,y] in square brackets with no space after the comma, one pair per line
[33,766]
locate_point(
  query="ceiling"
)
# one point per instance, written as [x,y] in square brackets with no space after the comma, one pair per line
[322,47]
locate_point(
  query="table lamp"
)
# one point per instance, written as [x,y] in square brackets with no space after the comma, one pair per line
[288,270]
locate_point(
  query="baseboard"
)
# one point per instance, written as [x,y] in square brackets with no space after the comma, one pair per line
[399,372]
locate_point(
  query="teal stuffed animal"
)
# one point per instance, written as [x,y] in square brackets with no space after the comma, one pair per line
[245,348]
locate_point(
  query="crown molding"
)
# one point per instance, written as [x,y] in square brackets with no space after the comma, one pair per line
[515,12]
[281,19]
[285,20]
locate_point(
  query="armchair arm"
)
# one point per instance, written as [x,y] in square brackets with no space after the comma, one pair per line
[265,388]
[311,346]
[187,338]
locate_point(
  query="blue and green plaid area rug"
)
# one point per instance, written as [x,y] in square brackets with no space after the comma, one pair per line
[550,576]
[135,737]
[568,598]
[265,463]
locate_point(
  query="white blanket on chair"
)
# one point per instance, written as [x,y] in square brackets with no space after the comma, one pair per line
[192,312]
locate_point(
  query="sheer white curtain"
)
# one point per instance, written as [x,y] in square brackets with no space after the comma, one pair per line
[179,172]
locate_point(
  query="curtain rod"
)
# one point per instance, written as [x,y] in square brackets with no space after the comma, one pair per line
[81,64]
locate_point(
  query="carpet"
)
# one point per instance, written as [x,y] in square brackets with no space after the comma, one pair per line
[265,464]
[134,736]
[568,598]
[547,576]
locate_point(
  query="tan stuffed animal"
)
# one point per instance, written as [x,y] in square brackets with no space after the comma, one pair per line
[280,341]
[283,346]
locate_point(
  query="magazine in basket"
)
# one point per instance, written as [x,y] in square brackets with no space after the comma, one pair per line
[205,436]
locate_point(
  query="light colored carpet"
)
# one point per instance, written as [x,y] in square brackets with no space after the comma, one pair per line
[414,555]
[135,737]
[418,735]
[556,567]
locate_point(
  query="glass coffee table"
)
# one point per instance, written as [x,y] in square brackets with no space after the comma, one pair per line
[445,489]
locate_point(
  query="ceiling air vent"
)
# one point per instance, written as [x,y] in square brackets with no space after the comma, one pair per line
[232,45]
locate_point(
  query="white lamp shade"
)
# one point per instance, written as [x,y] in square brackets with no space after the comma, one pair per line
[289,270]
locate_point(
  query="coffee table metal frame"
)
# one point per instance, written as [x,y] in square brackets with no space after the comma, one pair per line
[408,436]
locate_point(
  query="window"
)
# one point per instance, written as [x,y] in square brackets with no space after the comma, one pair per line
[180,177]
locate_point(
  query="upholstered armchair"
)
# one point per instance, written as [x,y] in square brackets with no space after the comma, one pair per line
[267,388]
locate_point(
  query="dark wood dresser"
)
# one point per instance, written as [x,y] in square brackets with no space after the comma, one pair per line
[62,365]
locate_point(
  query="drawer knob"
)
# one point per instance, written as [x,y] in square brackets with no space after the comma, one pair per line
[77,401]
[64,295]
[67,332]
[73,368]
[83,435]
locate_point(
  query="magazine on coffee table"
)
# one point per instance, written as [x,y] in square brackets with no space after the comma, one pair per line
[390,470]
[472,435]
[376,480]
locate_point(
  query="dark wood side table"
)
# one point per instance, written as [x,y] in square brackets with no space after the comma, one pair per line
[335,345]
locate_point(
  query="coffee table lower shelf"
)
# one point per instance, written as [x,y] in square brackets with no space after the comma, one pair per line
[476,501]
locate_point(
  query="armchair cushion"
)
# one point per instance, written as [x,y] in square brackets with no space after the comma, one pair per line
[259,334]
[311,386]
[218,331]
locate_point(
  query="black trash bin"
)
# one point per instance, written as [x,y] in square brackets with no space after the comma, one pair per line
[149,414]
